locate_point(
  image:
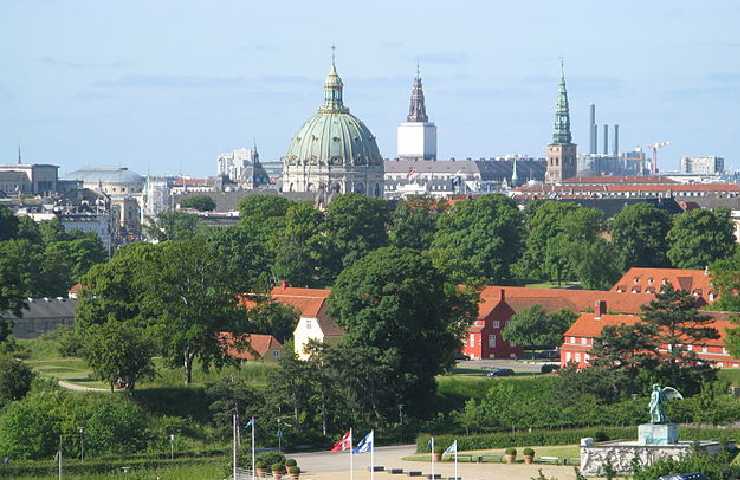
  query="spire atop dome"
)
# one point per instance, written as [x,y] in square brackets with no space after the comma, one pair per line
[417,108]
[333,89]
[561,127]
[514,174]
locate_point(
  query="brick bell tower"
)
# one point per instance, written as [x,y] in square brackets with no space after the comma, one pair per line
[561,153]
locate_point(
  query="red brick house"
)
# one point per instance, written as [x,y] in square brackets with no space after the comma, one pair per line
[579,338]
[651,280]
[483,340]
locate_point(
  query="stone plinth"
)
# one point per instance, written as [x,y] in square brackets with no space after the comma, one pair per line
[658,434]
[621,454]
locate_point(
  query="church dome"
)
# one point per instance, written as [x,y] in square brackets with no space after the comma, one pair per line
[333,136]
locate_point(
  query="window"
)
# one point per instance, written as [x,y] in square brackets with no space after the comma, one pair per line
[492,341]
[567,357]
[586,357]
[472,340]
[573,340]
[308,324]
[275,354]
[578,358]
[650,280]
[495,324]
[584,341]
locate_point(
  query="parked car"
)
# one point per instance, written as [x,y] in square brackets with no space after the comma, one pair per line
[684,476]
[550,367]
[460,356]
[500,372]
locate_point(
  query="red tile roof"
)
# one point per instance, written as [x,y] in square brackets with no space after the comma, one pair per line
[587,325]
[610,179]
[640,278]
[308,301]
[252,346]
[552,299]
[602,188]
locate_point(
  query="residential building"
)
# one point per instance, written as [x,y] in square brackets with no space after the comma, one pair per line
[484,340]
[416,138]
[703,165]
[578,340]
[334,152]
[251,347]
[561,153]
[242,167]
[652,280]
[101,224]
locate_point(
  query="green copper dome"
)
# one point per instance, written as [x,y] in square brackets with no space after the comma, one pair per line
[333,136]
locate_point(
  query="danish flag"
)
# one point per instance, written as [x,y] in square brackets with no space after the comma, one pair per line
[345,443]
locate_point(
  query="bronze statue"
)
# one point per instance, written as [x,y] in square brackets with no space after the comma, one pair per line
[657,402]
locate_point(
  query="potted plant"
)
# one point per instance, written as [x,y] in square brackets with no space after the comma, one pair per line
[528,456]
[510,456]
[437,453]
[277,471]
[260,468]
[294,472]
[291,462]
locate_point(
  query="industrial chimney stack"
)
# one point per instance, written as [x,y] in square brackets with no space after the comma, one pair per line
[606,139]
[592,130]
[616,140]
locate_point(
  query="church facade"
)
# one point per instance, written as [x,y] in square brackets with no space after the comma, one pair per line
[334,152]
[416,138]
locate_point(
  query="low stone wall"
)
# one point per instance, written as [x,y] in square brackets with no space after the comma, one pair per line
[621,454]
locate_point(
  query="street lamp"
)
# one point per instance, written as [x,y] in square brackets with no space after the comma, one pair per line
[82,442]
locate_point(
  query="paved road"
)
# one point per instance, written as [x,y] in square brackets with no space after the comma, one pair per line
[335,466]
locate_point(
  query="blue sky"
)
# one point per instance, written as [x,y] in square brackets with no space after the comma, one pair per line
[164,86]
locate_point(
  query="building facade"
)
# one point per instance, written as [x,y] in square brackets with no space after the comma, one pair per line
[561,153]
[416,138]
[703,165]
[29,178]
[242,167]
[334,152]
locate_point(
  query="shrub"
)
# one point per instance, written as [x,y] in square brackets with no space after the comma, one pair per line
[601,436]
[271,458]
[260,464]
[15,379]
[294,470]
[511,451]
[278,467]
[716,467]
[291,462]
[439,449]
[529,452]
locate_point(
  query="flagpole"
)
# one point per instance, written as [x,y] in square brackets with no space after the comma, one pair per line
[350,454]
[253,447]
[432,457]
[372,455]
[456,477]
[234,447]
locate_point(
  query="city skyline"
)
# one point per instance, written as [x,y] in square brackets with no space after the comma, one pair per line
[165,90]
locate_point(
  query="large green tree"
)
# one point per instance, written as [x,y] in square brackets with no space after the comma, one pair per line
[15,379]
[699,237]
[413,224]
[300,247]
[172,226]
[726,280]
[119,352]
[202,203]
[478,240]
[245,256]
[395,300]
[639,234]
[535,328]
[8,224]
[355,225]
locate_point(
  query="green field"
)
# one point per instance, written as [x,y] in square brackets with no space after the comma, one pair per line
[559,451]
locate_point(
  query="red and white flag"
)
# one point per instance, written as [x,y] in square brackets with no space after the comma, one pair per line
[345,443]
[411,173]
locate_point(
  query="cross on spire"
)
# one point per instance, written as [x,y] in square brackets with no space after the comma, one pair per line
[333,53]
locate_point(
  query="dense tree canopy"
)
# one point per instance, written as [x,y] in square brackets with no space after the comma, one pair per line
[15,379]
[639,234]
[478,240]
[394,300]
[202,203]
[699,237]
[726,279]
[172,226]
[535,328]
[300,247]
[413,224]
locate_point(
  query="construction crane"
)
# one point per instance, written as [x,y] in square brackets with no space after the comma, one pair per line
[655,147]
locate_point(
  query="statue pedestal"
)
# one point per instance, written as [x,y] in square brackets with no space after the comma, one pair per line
[658,434]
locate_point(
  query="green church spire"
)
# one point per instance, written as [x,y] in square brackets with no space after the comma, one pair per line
[561,127]
[333,90]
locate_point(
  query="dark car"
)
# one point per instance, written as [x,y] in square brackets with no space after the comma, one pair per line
[459,356]
[684,476]
[500,372]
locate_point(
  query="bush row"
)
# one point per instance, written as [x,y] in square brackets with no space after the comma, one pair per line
[561,437]
[97,466]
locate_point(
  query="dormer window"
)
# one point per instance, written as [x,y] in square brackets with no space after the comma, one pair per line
[650,280]
[637,280]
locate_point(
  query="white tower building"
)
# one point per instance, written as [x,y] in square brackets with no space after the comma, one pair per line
[416,138]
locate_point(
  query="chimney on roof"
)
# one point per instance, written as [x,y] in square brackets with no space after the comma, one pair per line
[600,308]
[502,295]
[706,270]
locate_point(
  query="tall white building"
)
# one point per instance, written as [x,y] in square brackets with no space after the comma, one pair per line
[703,164]
[240,166]
[416,138]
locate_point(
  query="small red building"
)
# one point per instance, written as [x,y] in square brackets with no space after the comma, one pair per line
[483,340]
[579,338]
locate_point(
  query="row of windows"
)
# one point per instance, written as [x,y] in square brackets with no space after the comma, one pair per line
[689,347]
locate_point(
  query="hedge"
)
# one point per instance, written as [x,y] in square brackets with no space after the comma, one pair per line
[96,466]
[560,437]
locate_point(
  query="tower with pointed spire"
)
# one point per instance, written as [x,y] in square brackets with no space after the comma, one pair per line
[416,138]
[561,153]
[334,152]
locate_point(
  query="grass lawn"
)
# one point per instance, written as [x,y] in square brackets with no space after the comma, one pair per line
[730,375]
[560,451]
